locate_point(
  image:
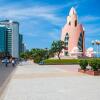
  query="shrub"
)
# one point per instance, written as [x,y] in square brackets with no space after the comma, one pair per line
[94,65]
[69,61]
[37,59]
[61,62]
[83,64]
[39,54]
[98,64]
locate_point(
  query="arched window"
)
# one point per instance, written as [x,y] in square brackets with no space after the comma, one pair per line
[69,23]
[75,23]
[80,41]
[66,39]
[66,43]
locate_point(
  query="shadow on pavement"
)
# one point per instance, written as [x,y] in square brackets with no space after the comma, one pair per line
[5,76]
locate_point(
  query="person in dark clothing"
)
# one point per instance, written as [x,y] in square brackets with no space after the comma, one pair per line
[6,62]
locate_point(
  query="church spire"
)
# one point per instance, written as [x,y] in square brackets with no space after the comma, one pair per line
[72,11]
[72,18]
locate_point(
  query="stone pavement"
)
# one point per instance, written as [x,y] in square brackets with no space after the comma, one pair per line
[51,82]
[5,75]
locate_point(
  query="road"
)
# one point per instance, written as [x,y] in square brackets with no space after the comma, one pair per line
[51,82]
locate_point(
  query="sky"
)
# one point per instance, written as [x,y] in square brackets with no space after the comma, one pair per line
[41,21]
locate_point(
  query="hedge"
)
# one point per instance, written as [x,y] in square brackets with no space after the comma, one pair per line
[64,61]
[61,62]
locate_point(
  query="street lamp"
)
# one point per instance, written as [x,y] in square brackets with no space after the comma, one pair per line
[96,42]
[93,42]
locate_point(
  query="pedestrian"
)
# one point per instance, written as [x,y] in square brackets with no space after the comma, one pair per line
[6,62]
[13,62]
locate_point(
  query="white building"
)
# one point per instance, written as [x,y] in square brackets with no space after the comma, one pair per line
[13,37]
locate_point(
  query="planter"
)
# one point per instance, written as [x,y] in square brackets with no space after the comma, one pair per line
[89,72]
[81,70]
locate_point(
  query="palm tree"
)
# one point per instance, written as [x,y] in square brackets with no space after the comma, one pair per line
[57,47]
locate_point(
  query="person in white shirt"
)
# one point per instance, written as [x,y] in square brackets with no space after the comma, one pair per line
[13,62]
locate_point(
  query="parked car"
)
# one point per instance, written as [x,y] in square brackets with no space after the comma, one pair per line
[41,63]
[5,60]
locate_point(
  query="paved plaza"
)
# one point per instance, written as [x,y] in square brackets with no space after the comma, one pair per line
[51,82]
[5,75]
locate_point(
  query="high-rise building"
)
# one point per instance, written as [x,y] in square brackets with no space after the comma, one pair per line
[3,42]
[12,37]
[24,48]
[20,43]
[73,34]
[9,40]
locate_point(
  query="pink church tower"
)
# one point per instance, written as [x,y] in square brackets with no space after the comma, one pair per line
[73,34]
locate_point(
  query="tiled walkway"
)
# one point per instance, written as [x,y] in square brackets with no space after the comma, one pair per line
[51,82]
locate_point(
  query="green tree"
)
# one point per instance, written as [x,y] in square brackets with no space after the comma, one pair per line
[23,55]
[57,47]
[26,55]
[39,54]
[50,53]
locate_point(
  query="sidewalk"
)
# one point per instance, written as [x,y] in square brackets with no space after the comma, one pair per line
[38,82]
[5,75]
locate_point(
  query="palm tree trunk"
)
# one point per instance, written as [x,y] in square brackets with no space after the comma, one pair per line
[59,55]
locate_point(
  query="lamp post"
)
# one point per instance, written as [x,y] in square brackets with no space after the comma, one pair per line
[96,42]
[93,43]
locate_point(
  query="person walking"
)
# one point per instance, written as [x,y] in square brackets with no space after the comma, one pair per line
[6,62]
[13,62]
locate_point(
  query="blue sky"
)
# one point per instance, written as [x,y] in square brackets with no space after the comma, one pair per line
[41,21]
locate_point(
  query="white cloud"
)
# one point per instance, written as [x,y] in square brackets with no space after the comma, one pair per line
[44,12]
[92,32]
[92,28]
[54,34]
[31,34]
[41,12]
[89,18]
